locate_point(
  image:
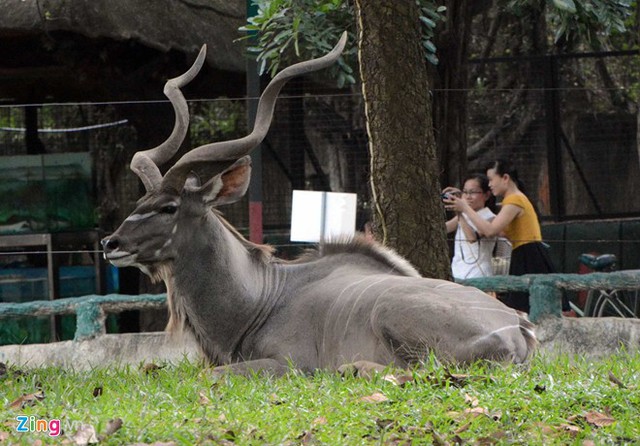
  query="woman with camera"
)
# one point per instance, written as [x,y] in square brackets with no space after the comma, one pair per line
[518,220]
[471,253]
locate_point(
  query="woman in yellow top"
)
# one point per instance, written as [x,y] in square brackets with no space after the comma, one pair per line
[518,221]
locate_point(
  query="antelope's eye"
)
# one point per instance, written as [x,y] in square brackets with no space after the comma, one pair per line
[169,209]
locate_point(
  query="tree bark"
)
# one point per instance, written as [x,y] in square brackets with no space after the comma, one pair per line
[450,100]
[407,212]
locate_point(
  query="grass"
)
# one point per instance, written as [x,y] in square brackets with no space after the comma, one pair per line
[549,401]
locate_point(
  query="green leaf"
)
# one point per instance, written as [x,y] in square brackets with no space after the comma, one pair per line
[565,5]
[431,13]
[296,45]
[428,44]
[262,67]
[432,58]
[430,23]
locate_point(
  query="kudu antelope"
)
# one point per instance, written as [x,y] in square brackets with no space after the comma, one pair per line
[353,301]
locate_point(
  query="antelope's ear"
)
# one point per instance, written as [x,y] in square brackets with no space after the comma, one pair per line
[192,182]
[228,186]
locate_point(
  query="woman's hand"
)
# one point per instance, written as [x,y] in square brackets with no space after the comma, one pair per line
[448,193]
[455,204]
[450,190]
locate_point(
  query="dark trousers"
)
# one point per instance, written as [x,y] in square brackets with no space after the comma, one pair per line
[530,258]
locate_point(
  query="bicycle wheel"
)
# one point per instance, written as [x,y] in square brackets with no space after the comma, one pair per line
[629,302]
[616,303]
[593,297]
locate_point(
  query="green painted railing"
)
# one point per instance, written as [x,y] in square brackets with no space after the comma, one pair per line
[90,310]
[545,290]
[545,298]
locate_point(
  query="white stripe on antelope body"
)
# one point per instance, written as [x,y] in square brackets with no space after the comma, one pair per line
[350,301]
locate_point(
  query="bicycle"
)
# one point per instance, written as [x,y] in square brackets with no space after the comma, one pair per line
[607,303]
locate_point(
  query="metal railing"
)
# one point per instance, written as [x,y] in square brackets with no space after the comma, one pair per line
[545,290]
[90,311]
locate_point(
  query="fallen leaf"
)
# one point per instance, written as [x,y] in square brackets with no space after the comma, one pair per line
[458,380]
[374,398]
[319,421]
[113,426]
[471,400]
[616,381]
[599,419]
[455,379]
[306,438]
[27,400]
[151,369]
[85,435]
[588,443]
[545,428]
[477,411]
[385,423]
[570,428]
[399,380]
[203,399]
[3,435]
[463,428]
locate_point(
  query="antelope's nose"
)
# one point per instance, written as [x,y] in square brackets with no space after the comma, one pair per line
[109,244]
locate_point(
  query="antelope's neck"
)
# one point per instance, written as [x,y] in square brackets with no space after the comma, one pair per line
[219,288]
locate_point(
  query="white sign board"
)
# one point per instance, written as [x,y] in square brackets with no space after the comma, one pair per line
[317,216]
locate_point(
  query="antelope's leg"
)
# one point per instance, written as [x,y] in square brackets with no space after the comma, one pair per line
[250,368]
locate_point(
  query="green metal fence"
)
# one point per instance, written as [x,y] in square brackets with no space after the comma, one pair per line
[90,310]
[545,290]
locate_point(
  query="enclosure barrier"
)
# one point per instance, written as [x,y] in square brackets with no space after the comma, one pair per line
[545,298]
[90,310]
[545,290]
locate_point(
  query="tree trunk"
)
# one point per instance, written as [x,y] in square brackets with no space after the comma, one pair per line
[450,100]
[407,212]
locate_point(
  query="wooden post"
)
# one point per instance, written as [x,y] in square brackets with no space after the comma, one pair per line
[89,321]
[545,299]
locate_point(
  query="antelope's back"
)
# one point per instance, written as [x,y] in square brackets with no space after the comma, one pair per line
[416,315]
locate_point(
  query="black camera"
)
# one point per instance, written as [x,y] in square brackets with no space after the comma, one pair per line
[446,196]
